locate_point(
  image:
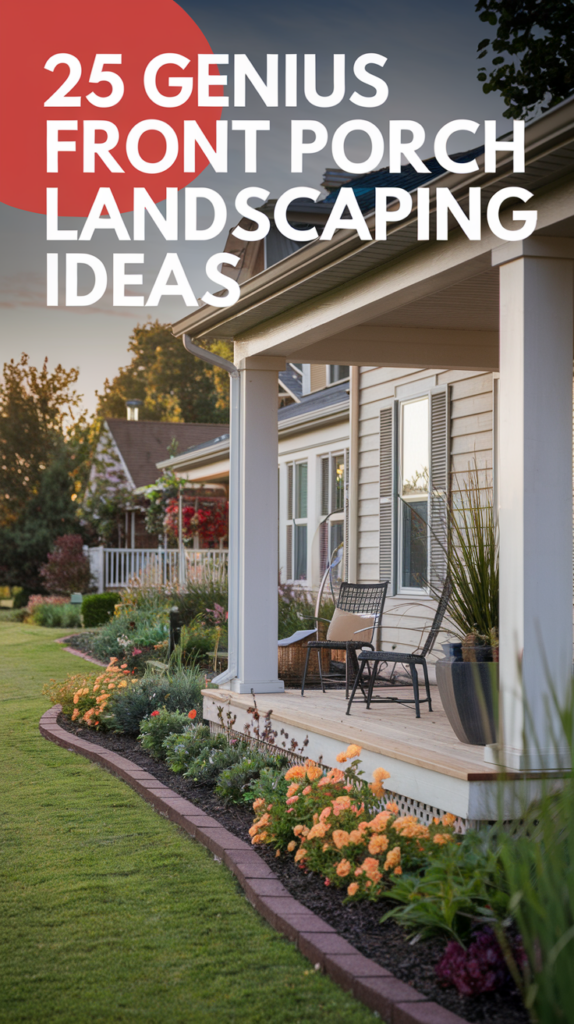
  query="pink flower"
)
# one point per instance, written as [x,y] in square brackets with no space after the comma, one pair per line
[154,713]
[137,650]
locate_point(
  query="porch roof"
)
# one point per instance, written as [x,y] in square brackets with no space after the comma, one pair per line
[328,290]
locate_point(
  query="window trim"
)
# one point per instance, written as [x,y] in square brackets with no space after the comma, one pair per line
[295,521]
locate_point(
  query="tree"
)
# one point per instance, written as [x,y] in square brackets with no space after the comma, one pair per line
[35,407]
[45,516]
[173,385]
[532,53]
[68,568]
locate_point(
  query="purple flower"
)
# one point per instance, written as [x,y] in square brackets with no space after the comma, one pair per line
[480,968]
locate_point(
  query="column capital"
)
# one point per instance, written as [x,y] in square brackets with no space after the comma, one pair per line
[541,246]
[262,363]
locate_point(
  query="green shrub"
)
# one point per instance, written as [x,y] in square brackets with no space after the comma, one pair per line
[462,887]
[133,636]
[210,761]
[97,608]
[199,598]
[155,729]
[179,690]
[181,751]
[20,597]
[233,784]
[199,639]
[57,616]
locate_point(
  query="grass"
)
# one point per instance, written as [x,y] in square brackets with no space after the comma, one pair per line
[109,913]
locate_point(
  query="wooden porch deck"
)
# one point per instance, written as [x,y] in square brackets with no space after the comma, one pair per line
[389,730]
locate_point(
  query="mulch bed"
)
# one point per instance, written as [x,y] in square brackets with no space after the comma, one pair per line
[386,944]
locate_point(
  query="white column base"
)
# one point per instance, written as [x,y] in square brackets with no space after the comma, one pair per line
[521,761]
[272,686]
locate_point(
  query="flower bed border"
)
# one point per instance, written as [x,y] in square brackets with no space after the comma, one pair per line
[395,1001]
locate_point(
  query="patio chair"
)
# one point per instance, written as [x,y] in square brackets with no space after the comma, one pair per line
[371,662]
[358,610]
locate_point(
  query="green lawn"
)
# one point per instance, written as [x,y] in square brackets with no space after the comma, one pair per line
[108,912]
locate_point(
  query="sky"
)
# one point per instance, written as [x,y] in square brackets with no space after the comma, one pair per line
[431,74]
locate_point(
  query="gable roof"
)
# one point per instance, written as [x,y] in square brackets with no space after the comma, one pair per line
[143,443]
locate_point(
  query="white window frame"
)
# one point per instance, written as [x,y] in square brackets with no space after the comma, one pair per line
[330,382]
[296,521]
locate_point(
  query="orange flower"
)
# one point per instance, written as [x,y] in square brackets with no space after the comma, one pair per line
[355,836]
[343,868]
[353,750]
[341,803]
[340,838]
[325,813]
[314,772]
[392,807]
[448,819]
[352,888]
[191,714]
[291,846]
[398,871]
[75,714]
[380,774]
[301,852]
[378,844]
[341,758]
[292,789]
[318,831]
[296,772]
[258,803]
[96,686]
[292,800]
[443,837]
[393,859]
[370,866]
[307,790]
[298,829]
[380,822]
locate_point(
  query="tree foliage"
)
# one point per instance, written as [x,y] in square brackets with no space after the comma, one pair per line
[67,568]
[531,53]
[174,386]
[36,406]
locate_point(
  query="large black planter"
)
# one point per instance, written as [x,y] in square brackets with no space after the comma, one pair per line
[469,695]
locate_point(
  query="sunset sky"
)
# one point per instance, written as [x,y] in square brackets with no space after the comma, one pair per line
[431,73]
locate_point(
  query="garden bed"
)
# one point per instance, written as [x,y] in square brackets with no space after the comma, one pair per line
[359,923]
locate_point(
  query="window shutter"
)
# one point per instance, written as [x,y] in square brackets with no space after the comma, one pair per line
[387,491]
[289,521]
[346,522]
[439,485]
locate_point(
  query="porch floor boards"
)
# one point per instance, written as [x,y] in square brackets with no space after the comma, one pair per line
[386,729]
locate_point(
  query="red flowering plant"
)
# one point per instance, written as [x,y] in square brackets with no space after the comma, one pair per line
[209,520]
[339,830]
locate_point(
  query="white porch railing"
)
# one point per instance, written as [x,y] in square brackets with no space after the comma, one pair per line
[154,567]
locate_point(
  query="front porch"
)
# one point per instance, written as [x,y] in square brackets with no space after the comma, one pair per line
[431,771]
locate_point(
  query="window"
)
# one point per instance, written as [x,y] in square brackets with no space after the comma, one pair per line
[335,374]
[297,521]
[332,529]
[413,478]
[413,494]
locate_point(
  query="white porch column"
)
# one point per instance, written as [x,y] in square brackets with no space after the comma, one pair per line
[535,496]
[255,517]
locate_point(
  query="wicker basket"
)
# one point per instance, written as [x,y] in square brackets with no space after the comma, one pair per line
[292,663]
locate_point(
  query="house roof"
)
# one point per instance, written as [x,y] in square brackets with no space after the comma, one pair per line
[292,382]
[331,403]
[143,443]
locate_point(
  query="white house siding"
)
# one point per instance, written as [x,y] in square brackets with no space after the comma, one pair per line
[471,440]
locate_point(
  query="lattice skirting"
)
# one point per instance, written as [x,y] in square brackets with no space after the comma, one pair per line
[407,805]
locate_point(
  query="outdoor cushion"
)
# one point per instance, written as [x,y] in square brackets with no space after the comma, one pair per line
[350,626]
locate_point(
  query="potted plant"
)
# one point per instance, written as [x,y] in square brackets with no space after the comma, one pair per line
[468,683]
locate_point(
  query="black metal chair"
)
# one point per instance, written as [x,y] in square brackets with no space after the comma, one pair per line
[356,604]
[371,661]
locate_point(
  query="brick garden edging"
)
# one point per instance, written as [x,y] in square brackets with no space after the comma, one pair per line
[377,988]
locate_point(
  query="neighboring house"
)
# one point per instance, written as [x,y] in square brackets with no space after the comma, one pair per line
[313,470]
[126,455]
